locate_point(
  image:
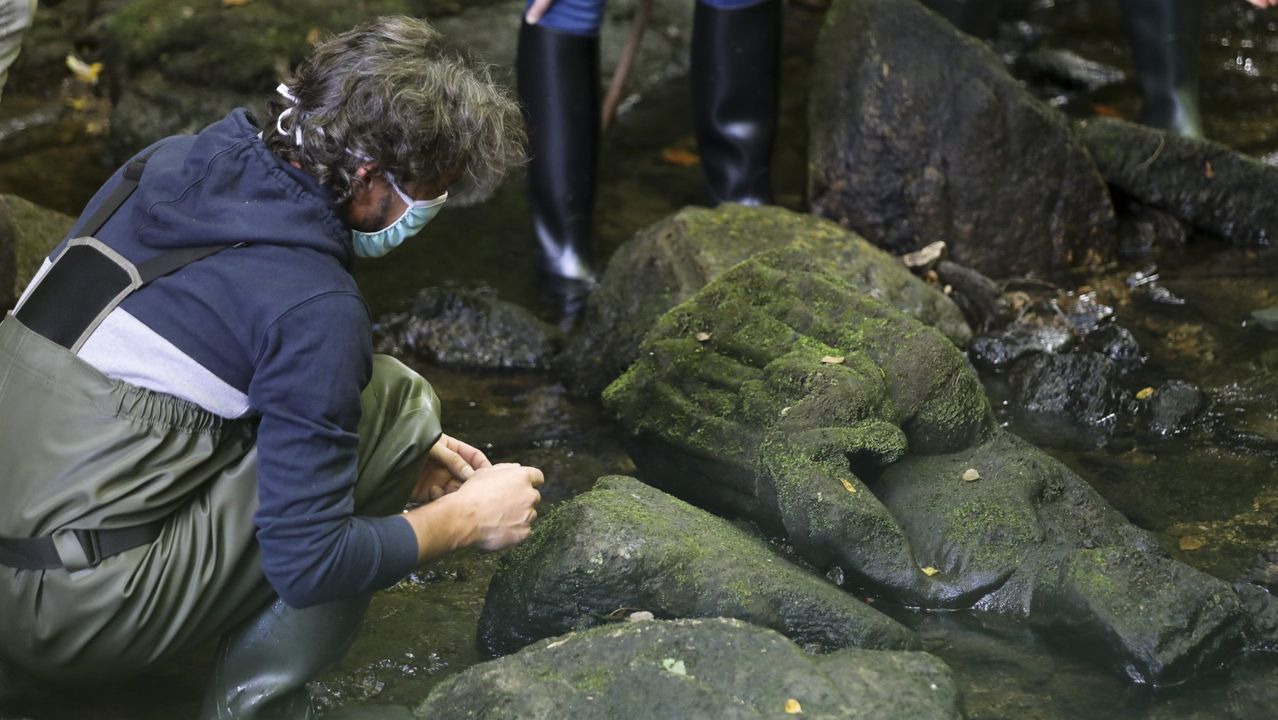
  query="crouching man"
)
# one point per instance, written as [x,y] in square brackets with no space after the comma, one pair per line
[198,441]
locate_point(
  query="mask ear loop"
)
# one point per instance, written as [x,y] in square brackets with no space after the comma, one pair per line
[283,90]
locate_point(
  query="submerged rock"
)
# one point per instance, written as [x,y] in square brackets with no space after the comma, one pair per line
[783,394]
[669,261]
[904,155]
[626,547]
[1198,181]
[28,233]
[469,329]
[1069,69]
[699,670]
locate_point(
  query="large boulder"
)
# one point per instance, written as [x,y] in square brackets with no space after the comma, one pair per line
[625,547]
[783,394]
[468,329]
[666,263]
[28,233]
[917,133]
[776,389]
[1072,563]
[1198,181]
[714,669]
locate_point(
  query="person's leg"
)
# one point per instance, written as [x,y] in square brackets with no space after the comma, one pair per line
[735,45]
[557,73]
[15,18]
[262,667]
[1164,37]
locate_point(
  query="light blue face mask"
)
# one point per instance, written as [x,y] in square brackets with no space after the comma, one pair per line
[415,217]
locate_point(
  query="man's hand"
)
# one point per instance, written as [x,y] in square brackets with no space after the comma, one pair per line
[493,509]
[539,8]
[1257,3]
[451,463]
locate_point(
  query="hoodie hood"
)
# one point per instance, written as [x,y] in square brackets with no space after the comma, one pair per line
[224,187]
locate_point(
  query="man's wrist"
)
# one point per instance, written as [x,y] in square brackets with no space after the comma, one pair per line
[441,526]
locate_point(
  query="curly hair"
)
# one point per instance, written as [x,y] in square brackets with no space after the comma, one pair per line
[390,91]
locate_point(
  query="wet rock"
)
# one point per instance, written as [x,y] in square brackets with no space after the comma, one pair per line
[176,67]
[1173,408]
[802,388]
[1001,349]
[1262,616]
[696,669]
[1200,182]
[905,156]
[1141,229]
[1266,318]
[28,233]
[982,301]
[1075,397]
[1069,69]
[1264,572]
[626,547]
[469,329]
[670,261]
[1116,343]
[1083,311]
[1071,563]
[783,394]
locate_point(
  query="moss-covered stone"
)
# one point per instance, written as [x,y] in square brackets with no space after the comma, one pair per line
[670,261]
[770,391]
[28,233]
[1069,561]
[625,546]
[695,670]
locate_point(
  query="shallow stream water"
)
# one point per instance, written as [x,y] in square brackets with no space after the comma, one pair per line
[1217,484]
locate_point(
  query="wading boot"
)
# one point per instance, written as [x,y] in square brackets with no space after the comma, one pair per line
[1164,37]
[734,93]
[262,667]
[558,78]
[978,18]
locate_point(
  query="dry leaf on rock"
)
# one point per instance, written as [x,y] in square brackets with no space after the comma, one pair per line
[832,360]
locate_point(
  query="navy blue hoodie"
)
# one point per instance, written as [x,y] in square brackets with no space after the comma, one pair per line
[275,328]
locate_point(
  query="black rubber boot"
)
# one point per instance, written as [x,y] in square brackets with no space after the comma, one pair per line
[558,78]
[734,92]
[262,667]
[978,18]
[1164,35]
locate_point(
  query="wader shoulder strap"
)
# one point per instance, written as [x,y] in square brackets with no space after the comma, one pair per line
[88,279]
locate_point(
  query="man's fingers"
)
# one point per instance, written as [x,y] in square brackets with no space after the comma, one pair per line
[537,10]
[535,477]
[452,486]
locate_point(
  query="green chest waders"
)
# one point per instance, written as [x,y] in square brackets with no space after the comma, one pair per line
[126,531]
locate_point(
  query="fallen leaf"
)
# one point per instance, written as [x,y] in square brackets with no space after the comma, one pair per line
[679,157]
[78,104]
[832,360]
[932,277]
[1191,542]
[314,36]
[847,485]
[1209,172]
[1145,393]
[234,3]
[948,289]
[641,615]
[930,571]
[84,71]
[792,707]
[675,666]
[702,336]
[924,256]
[1105,110]
[970,475]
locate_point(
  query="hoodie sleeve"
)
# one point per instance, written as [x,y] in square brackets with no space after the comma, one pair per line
[310,370]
